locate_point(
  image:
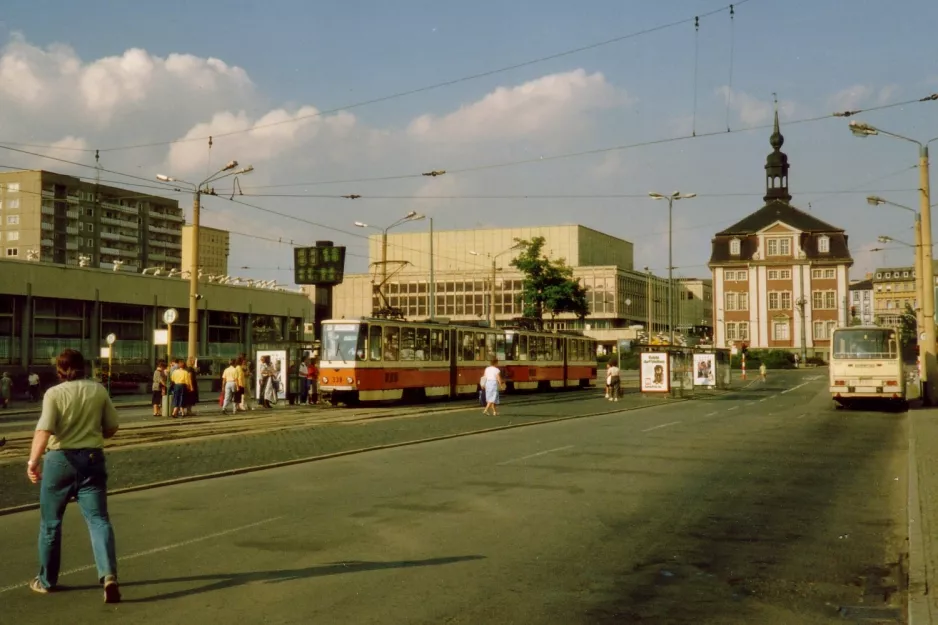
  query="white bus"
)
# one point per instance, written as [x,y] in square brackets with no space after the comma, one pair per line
[866,364]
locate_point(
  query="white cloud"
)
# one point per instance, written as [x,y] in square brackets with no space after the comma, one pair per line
[751,110]
[850,98]
[545,105]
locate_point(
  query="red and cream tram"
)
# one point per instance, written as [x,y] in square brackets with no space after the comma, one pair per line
[381,359]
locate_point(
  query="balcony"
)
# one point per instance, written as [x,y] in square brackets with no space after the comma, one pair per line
[48,193]
[120,223]
[167,216]
[71,246]
[113,251]
[47,210]
[126,238]
[130,253]
[72,199]
[46,243]
[110,236]
[71,230]
[47,226]
[159,230]
[71,214]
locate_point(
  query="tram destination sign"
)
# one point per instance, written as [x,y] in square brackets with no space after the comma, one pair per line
[319,265]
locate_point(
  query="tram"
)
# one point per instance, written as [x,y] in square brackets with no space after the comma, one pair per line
[387,359]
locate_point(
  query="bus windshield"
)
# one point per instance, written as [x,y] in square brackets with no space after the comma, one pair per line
[868,343]
[344,341]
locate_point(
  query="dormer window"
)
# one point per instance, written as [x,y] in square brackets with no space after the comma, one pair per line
[734,247]
[824,244]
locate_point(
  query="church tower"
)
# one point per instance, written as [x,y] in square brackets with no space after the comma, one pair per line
[776,168]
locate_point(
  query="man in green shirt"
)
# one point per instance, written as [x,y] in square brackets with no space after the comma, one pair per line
[77,415]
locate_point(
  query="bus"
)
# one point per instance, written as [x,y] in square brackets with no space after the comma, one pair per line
[866,364]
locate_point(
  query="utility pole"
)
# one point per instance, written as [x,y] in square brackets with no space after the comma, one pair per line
[648,302]
[677,195]
[432,290]
[492,297]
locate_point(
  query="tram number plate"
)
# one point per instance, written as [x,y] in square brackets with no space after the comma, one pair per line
[336,380]
[390,378]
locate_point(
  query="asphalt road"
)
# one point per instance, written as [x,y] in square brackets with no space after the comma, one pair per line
[761,507]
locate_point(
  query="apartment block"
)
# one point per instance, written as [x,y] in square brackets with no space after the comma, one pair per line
[56,218]
[214,248]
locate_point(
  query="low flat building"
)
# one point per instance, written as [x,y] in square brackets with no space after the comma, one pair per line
[45,308]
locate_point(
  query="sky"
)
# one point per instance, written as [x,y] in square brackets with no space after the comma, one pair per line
[324,98]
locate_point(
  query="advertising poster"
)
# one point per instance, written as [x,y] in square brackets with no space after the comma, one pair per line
[278,361]
[704,370]
[655,374]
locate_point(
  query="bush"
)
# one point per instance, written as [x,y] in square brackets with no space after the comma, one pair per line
[773,359]
[816,360]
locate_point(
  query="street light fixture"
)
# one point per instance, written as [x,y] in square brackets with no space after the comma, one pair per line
[411,216]
[494,258]
[930,366]
[677,195]
[197,191]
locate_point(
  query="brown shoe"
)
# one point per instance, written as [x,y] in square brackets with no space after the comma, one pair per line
[112,593]
[36,586]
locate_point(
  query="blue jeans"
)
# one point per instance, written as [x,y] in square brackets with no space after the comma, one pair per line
[81,473]
[230,389]
[304,391]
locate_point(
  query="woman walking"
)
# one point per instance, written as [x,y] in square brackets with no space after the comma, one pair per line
[77,415]
[182,382]
[192,395]
[493,383]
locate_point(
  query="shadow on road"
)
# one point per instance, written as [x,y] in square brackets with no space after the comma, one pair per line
[222,581]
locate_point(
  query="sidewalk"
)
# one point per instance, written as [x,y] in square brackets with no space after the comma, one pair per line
[923,516]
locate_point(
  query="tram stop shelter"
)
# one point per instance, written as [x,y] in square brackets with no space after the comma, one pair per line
[683,371]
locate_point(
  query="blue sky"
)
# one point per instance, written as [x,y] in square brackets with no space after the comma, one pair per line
[817,55]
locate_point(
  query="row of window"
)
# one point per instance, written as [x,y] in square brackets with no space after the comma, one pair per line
[895,274]
[736,275]
[11,187]
[781,300]
[781,330]
[856,296]
[780,274]
[781,246]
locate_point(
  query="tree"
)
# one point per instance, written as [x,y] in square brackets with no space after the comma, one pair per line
[548,286]
[908,326]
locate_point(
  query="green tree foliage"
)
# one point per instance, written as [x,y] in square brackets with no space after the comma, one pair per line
[549,285]
[908,327]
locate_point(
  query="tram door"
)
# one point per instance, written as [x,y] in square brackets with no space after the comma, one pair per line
[453,349]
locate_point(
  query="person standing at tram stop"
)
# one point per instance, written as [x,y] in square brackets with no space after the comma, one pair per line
[613,381]
[182,383]
[77,415]
[312,375]
[229,380]
[493,384]
[762,371]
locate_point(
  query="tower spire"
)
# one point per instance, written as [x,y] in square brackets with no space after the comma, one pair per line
[776,164]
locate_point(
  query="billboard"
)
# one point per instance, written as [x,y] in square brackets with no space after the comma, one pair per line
[319,265]
[704,370]
[273,387]
[655,374]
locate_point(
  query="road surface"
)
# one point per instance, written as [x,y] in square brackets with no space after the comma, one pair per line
[764,506]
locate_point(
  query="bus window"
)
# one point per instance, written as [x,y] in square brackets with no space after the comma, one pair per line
[522,347]
[500,352]
[489,346]
[374,343]
[392,342]
[465,345]
[423,344]
[344,341]
[437,348]
[446,345]
[532,348]
[407,344]
[556,343]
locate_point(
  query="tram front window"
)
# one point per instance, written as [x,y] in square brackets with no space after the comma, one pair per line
[344,341]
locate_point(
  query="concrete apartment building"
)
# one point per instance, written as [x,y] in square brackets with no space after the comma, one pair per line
[780,274]
[55,218]
[214,249]
[618,295]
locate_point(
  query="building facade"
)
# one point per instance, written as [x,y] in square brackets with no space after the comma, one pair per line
[61,219]
[45,308]
[780,274]
[619,297]
[214,249]
[861,302]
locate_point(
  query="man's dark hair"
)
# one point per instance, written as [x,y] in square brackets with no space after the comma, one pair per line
[70,365]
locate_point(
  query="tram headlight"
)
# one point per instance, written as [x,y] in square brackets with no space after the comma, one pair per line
[325,380]
[349,380]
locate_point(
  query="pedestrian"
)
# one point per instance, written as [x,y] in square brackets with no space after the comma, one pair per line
[159,388]
[33,386]
[493,384]
[77,415]
[612,379]
[229,381]
[181,382]
[304,381]
[6,389]
[192,395]
[762,372]
[268,386]
[244,383]
[312,376]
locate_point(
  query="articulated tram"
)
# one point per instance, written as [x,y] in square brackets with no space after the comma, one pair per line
[382,359]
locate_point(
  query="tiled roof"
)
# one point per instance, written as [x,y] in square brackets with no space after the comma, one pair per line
[779,211]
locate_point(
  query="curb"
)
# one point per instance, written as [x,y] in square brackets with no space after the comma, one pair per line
[340,454]
[919,609]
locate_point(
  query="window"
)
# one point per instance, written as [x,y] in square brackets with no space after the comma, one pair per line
[90,227]
[730,303]
[878,276]
[13,235]
[742,275]
[730,275]
[824,244]
[13,204]
[830,274]
[784,274]
[89,242]
[780,330]
[13,251]
[778,247]
[773,274]
[786,300]
[734,247]
[771,247]
[743,331]
[13,220]
[743,301]
[830,300]
[13,187]
[731,332]
[773,300]
[820,330]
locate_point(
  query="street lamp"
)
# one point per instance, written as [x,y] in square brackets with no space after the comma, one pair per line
[929,371]
[197,191]
[874,200]
[677,195]
[494,270]
[411,216]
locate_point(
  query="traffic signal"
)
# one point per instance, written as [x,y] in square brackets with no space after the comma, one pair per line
[745,348]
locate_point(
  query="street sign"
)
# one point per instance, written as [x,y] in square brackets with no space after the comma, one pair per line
[161,337]
[170,316]
[105,352]
[111,338]
[319,265]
